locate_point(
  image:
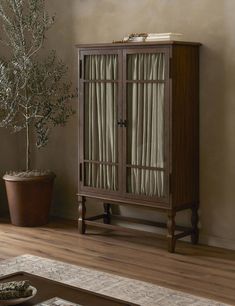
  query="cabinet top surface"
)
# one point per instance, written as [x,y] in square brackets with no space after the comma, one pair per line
[137,44]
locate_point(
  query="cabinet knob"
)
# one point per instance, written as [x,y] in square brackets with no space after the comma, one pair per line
[119,123]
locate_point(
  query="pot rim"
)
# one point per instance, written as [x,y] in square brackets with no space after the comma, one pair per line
[15,178]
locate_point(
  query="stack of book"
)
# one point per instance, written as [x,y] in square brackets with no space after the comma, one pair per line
[145,37]
[163,36]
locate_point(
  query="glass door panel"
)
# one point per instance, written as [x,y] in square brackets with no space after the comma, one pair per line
[145,129]
[101,67]
[145,182]
[100,139]
[100,115]
[102,176]
[145,113]
[146,66]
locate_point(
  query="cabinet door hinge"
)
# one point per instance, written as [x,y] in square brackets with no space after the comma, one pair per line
[80,171]
[170,68]
[80,68]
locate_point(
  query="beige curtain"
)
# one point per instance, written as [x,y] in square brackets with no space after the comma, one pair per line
[146,66]
[146,124]
[101,121]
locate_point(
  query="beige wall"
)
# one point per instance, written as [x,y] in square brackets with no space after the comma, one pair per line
[210,22]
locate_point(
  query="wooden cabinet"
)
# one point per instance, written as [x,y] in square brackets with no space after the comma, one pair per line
[138,131]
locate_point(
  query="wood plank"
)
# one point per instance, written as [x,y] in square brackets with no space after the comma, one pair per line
[136,44]
[185,125]
[200,270]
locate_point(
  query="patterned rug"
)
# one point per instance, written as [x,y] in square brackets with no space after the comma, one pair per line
[127,289]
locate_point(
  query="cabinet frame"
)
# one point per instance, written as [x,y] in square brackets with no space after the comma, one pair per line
[181,141]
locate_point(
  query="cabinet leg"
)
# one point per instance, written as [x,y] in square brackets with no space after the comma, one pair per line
[171,231]
[81,214]
[194,221]
[107,213]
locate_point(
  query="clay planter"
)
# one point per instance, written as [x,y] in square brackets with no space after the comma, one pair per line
[29,199]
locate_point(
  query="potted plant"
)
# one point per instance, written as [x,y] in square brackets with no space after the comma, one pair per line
[34,97]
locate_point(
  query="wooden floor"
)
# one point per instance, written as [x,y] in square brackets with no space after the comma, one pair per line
[200,270]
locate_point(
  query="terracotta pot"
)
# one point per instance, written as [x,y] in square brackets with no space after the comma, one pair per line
[29,199]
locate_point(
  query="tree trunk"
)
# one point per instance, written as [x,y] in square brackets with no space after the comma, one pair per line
[27,148]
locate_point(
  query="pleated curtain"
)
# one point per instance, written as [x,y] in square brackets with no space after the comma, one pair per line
[146,124]
[101,121]
[145,116]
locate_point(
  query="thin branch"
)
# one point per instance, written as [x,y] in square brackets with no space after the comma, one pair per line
[36,50]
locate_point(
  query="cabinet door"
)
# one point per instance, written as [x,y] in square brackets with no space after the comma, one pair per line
[100,73]
[146,137]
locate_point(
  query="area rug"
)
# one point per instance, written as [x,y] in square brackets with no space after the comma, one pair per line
[123,288]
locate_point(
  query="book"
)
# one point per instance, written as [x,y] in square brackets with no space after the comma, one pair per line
[163,36]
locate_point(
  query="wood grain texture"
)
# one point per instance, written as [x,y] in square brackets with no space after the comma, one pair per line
[199,270]
[82,215]
[171,231]
[185,125]
[48,289]
[136,44]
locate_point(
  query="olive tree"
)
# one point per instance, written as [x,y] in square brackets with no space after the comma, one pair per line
[34,92]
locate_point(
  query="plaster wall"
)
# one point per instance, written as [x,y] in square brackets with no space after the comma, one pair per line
[210,22]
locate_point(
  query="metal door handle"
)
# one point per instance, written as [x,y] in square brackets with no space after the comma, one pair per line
[122,123]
